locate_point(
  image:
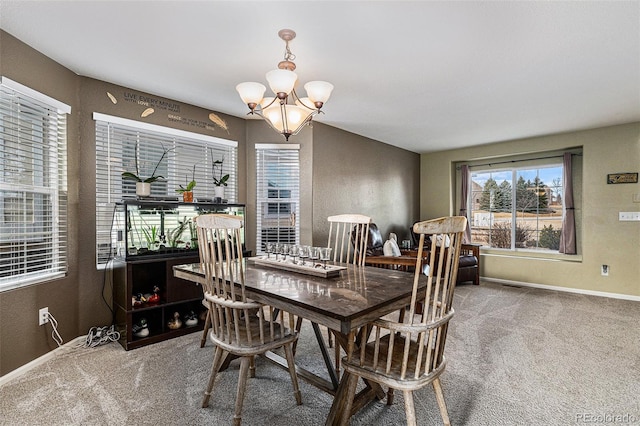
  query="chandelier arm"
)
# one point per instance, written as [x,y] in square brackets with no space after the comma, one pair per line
[295,97]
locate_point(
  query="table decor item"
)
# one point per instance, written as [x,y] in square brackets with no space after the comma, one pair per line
[317,270]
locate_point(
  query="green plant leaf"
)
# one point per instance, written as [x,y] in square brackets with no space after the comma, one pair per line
[131,176]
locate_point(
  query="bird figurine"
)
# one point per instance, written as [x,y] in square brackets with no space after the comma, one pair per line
[138,300]
[190,319]
[141,329]
[175,323]
[154,298]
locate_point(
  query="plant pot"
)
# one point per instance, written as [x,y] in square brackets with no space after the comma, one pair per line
[143,189]
[187,196]
[218,192]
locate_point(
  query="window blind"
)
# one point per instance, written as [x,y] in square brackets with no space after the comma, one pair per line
[33,186]
[278,194]
[146,150]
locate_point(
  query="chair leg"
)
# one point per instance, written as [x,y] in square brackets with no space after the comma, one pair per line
[409,408]
[218,359]
[437,387]
[337,355]
[205,332]
[288,353]
[390,397]
[242,385]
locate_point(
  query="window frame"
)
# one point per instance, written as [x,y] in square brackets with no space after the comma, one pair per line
[114,136]
[516,163]
[41,239]
[265,200]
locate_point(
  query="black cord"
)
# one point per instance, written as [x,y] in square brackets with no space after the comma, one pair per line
[104,273]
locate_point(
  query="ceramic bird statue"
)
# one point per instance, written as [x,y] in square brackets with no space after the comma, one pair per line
[190,319]
[140,329]
[175,323]
[154,298]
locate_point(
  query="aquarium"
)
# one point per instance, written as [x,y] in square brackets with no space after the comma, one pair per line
[148,229]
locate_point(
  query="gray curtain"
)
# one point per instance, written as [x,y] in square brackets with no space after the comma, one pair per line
[568,235]
[464,171]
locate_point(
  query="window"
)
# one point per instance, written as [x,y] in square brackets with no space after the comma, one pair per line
[517,205]
[33,186]
[176,155]
[278,194]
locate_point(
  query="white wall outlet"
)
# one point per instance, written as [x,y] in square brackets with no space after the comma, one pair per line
[636,198]
[604,270]
[43,316]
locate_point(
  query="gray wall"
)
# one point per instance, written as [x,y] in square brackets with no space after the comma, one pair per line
[360,175]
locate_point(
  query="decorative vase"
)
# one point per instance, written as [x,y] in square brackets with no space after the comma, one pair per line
[218,192]
[143,189]
[187,196]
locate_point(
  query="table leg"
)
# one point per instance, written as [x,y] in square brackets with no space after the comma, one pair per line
[325,355]
[372,390]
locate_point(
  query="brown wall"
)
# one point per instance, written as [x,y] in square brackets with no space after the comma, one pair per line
[95,99]
[21,339]
[384,185]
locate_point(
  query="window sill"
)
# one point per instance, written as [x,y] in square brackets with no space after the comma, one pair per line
[17,283]
[530,254]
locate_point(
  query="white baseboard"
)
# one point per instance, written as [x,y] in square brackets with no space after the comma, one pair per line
[564,289]
[41,360]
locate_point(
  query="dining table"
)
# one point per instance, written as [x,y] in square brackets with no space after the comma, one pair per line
[343,303]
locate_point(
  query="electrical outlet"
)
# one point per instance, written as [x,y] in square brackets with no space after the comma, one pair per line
[43,316]
[604,270]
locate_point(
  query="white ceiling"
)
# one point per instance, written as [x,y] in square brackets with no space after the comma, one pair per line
[422,75]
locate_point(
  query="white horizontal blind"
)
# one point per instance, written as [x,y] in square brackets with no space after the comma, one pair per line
[278,194]
[33,186]
[177,156]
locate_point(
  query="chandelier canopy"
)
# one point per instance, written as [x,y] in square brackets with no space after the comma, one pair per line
[286,113]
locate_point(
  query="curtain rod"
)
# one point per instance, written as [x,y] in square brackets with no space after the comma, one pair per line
[518,161]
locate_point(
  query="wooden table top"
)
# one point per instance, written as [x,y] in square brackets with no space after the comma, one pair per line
[342,303]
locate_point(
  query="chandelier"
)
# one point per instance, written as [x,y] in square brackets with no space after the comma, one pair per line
[286,113]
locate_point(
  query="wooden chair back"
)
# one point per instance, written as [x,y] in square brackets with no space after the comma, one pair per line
[234,318]
[409,353]
[348,237]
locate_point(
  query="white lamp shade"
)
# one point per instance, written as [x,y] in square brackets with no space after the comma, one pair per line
[295,117]
[281,81]
[318,91]
[250,92]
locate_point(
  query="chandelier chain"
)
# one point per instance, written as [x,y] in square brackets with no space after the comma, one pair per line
[288,56]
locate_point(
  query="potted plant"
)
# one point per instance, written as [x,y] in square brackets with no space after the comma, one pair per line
[143,185]
[187,191]
[219,180]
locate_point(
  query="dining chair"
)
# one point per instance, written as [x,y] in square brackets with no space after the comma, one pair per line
[348,238]
[239,327]
[408,354]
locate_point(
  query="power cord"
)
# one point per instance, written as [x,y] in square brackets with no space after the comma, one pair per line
[54,324]
[100,335]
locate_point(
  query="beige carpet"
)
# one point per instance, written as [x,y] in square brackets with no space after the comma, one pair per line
[517,356]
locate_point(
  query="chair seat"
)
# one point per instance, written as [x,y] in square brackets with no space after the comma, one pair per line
[394,377]
[246,347]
